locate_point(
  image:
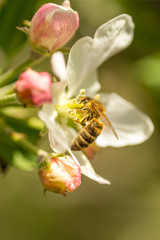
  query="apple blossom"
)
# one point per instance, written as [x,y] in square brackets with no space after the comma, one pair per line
[34,88]
[86,55]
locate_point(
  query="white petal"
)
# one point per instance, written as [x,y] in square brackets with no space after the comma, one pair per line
[57,89]
[59,69]
[59,66]
[91,85]
[57,137]
[87,169]
[88,53]
[132,126]
[81,159]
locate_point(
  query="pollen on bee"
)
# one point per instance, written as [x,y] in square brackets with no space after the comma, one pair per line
[75,119]
[72,112]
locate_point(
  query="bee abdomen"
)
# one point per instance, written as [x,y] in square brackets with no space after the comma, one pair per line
[94,128]
[79,142]
[87,135]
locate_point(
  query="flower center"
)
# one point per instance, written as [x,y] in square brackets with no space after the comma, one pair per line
[72,109]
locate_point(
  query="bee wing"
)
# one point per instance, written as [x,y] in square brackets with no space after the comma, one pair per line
[105,120]
[107,123]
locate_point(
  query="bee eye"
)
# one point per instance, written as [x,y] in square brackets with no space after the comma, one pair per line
[84,101]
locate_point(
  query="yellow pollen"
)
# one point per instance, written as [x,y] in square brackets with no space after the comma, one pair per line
[82,91]
[75,118]
[73,113]
[97,97]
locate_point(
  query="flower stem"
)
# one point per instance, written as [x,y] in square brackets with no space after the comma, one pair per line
[32,148]
[21,140]
[9,75]
[9,99]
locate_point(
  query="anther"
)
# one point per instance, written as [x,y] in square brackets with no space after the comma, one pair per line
[97,97]
[82,91]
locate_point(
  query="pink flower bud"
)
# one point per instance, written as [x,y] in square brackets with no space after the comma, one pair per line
[34,88]
[52,26]
[60,174]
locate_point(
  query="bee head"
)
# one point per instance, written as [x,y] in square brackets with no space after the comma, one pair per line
[85,100]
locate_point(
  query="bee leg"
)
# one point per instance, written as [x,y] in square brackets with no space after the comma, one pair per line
[84,120]
[75,120]
[89,112]
[86,109]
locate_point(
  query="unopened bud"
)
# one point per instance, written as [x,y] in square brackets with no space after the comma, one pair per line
[60,174]
[52,26]
[34,88]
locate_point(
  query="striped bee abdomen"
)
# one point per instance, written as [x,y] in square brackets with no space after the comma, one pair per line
[87,135]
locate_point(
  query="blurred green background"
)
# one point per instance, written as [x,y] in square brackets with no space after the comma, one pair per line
[129,209]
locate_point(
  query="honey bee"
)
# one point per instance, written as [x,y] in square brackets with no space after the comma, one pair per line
[93,120]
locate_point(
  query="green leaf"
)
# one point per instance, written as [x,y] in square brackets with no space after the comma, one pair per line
[20,120]
[17,156]
[23,161]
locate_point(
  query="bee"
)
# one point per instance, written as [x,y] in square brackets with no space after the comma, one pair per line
[93,119]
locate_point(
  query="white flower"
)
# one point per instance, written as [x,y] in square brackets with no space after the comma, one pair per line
[132,126]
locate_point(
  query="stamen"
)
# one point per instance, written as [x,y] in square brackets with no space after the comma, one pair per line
[80,95]
[97,97]
[82,91]
[75,119]
[72,112]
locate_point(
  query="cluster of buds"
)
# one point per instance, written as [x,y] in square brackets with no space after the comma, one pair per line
[59,174]
[51,27]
